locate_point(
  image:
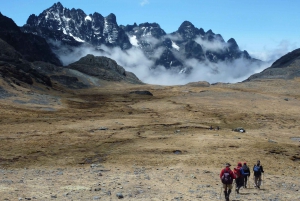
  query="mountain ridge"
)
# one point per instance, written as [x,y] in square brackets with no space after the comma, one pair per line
[73,28]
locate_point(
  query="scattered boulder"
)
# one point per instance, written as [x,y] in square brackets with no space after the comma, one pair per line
[177,152]
[120,195]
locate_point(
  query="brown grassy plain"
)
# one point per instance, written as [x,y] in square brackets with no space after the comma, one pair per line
[88,144]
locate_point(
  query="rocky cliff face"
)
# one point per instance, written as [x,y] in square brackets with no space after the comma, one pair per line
[75,28]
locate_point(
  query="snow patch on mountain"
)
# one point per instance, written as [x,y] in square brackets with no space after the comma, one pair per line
[175,46]
[88,18]
[77,38]
[133,40]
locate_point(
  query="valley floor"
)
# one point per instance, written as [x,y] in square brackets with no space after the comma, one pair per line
[102,143]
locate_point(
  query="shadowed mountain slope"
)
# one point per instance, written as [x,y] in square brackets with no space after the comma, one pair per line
[286,67]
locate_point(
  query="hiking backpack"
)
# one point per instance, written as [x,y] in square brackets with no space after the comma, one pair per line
[226,178]
[246,169]
[256,169]
[237,172]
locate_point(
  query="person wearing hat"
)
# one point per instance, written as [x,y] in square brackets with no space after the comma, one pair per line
[240,175]
[227,178]
[246,170]
[257,169]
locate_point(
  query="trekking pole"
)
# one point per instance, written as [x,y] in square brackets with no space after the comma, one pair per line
[220,193]
[235,188]
[263,178]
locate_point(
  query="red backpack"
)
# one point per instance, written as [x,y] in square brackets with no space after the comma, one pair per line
[237,172]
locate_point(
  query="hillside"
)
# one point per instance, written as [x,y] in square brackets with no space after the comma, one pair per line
[106,142]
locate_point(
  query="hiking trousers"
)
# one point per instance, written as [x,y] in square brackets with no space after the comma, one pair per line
[257,180]
[239,182]
[245,180]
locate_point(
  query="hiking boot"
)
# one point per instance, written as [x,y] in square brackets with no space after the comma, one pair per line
[237,191]
[229,191]
[226,196]
[258,187]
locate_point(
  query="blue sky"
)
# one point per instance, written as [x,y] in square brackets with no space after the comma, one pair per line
[262,27]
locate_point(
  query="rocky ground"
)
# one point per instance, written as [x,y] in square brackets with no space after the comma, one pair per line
[110,144]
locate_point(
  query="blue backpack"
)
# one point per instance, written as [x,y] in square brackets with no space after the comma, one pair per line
[256,168]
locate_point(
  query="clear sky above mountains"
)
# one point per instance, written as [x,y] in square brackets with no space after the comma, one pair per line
[265,28]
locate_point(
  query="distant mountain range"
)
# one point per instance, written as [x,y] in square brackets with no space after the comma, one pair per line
[26,59]
[65,29]
[29,55]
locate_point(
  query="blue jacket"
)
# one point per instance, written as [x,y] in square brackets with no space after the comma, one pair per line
[243,173]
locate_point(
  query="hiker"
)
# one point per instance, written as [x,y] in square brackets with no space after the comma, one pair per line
[239,174]
[257,169]
[246,170]
[227,178]
[211,128]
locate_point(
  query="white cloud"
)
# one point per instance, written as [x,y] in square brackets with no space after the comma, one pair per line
[133,40]
[272,54]
[144,2]
[135,61]
[214,46]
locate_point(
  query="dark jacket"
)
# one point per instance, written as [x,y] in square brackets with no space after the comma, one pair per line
[246,169]
[261,170]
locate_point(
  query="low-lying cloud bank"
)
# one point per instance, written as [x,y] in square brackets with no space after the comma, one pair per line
[271,55]
[135,61]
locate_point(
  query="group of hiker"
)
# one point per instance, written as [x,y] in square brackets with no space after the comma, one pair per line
[240,174]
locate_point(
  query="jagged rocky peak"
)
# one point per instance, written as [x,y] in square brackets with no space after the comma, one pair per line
[210,32]
[75,28]
[112,18]
[80,27]
[232,44]
[219,38]
[129,28]
[58,6]
[186,25]
[144,30]
[201,31]
[187,30]
[152,29]
[210,35]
